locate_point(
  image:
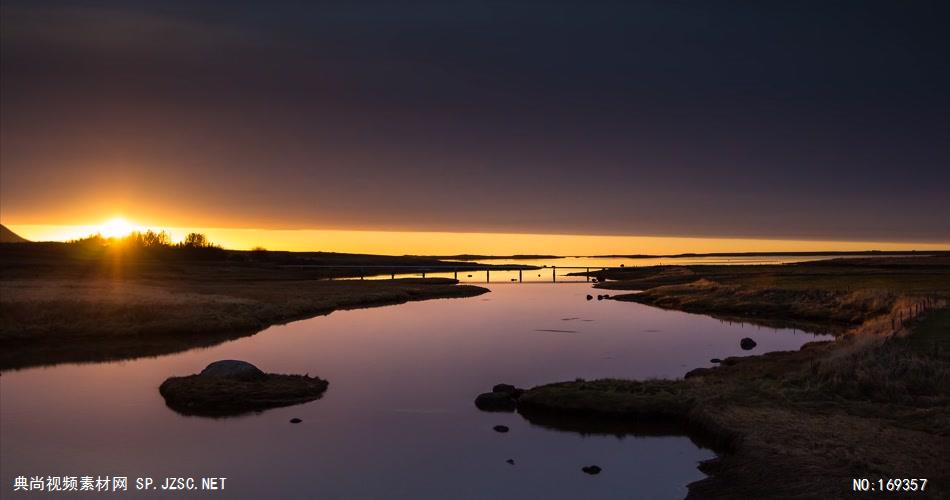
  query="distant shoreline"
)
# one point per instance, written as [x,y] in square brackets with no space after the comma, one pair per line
[471,257]
[832,253]
[877,253]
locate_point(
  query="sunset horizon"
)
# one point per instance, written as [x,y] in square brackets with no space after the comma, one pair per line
[478,243]
[475,249]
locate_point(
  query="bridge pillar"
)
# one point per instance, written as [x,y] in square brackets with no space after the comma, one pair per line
[553,274]
[519,275]
[487,275]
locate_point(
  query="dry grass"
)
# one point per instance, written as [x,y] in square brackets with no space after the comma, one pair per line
[53,313]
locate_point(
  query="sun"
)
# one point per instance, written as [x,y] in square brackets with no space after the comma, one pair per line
[116,227]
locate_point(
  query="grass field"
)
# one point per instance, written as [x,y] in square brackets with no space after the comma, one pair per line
[58,305]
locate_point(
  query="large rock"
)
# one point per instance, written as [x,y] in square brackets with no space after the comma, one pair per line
[747,344]
[232,368]
[503,397]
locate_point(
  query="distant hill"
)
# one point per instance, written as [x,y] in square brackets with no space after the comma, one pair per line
[7,236]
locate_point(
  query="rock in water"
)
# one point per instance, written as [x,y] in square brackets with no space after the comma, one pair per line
[232,368]
[231,387]
[590,297]
[509,389]
[501,428]
[503,397]
[510,461]
[591,469]
[715,360]
[747,344]
[295,420]
[495,401]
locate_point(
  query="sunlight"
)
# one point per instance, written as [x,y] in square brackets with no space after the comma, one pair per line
[117,227]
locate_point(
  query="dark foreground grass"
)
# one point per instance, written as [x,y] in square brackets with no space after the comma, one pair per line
[789,425]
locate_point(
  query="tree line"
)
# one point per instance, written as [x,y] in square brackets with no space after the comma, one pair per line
[149,239]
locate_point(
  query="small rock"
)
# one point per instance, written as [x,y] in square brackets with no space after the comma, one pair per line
[501,428]
[600,297]
[591,469]
[232,368]
[747,344]
[295,420]
[510,461]
[508,389]
[590,297]
[715,360]
[495,401]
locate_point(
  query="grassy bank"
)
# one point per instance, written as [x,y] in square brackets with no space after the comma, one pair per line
[64,306]
[801,424]
[838,296]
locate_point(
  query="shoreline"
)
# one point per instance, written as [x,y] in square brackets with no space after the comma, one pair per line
[156,328]
[64,304]
[809,420]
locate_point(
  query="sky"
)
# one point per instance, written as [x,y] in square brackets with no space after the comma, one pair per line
[816,121]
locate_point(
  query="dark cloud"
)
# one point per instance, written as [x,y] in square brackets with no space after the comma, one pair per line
[796,119]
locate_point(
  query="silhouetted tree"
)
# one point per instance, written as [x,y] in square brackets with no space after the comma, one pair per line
[151,239]
[196,240]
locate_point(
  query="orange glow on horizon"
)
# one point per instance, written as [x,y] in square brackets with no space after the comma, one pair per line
[451,243]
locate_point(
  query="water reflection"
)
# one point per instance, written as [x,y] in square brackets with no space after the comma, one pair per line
[398,421]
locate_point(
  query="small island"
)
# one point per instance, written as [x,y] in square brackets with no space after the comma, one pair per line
[231,387]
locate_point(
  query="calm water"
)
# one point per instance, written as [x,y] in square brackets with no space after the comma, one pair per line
[398,419]
[557,269]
